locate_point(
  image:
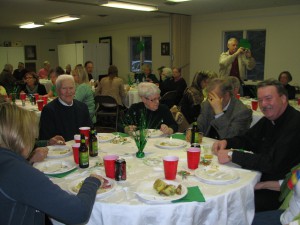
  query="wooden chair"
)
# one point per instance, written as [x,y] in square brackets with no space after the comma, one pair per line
[107,113]
[169,98]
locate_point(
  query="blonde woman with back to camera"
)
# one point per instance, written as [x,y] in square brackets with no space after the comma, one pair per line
[26,194]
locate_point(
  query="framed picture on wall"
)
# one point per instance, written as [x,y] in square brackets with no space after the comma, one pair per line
[30,52]
[109,41]
[165,48]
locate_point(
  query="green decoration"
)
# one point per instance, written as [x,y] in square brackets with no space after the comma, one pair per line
[244,43]
[140,46]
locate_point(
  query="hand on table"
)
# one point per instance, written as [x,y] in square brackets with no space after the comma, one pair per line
[165,129]
[271,185]
[218,145]
[57,140]
[223,156]
[38,155]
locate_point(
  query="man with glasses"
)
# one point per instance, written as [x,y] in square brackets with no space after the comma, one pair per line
[158,116]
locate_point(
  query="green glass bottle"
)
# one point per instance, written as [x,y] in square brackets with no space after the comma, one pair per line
[195,133]
[93,148]
[83,153]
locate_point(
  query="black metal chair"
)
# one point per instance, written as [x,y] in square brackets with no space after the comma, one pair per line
[107,113]
[169,98]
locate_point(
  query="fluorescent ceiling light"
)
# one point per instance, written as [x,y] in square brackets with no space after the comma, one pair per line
[30,25]
[178,0]
[64,19]
[128,5]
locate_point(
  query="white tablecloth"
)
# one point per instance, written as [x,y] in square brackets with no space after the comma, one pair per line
[225,204]
[47,83]
[132,97]
[28,106]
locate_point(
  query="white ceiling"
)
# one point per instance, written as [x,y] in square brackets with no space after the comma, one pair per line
[16,12]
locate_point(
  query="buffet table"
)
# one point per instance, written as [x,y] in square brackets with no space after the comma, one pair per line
[227,203]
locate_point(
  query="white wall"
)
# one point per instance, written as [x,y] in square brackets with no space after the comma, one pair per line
[282,38]
[158,29]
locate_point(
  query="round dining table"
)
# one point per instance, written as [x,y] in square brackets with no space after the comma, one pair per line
[222,203]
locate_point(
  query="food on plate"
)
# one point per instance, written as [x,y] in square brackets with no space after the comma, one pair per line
[165,189]
[169,143]
[61,151]
[101,190]
[206,160]
[118,140]
[104,137]
[184,174]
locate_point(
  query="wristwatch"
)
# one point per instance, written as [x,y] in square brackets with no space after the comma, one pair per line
[230,154]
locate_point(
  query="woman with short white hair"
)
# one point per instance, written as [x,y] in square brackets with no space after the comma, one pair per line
[158,116]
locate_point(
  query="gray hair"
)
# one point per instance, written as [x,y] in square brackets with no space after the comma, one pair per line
[235,82]
[275,83]
[167,71]
[61,79]
[224,84]
[230,40]
[147,89]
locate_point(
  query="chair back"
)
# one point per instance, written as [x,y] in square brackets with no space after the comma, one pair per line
[169,98]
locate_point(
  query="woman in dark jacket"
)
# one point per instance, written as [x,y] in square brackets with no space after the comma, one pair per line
[285,77]
[32,84]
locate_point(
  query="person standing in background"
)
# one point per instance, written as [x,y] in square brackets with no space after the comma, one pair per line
[68,69]
[235,61]
[43,73]
[89,67]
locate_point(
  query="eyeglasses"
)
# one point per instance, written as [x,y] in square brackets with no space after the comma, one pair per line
[153,100]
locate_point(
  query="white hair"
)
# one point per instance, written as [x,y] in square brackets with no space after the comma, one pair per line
[147,89]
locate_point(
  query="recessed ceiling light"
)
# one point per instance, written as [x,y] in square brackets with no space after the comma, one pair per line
[63,19]
[30,25]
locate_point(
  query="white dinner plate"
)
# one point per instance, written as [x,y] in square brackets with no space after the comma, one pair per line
[55,167]
[217,175]
[148,194]
[170,144]
[75,186]
[58,151]
[154,133]
[105,137]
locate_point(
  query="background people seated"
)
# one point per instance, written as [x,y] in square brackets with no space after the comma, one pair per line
[89,67]
[53,74]
[190,104]
[64,115]
[273,140]
[146,75]
[222,115]
[44,72]
[32,85]
[175,83]
[84,91]
[112,85]
[7,80]
[27,195]
[158,115]
[20,73]
[285,77]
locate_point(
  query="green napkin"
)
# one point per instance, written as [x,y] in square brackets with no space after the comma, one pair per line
[194,195]
[179,136]
[63,174]
[121,134]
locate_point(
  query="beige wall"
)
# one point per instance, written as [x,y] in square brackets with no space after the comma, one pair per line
[282,38]
[158,29]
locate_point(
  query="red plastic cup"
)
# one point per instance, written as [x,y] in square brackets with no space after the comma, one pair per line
[170,167]
[40,104]
[254,104]
[23,96]
[37,96]
[298,101]
[77,138]
[75,148]
[109,165]
[193,158]
[238,96]
[45,99]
